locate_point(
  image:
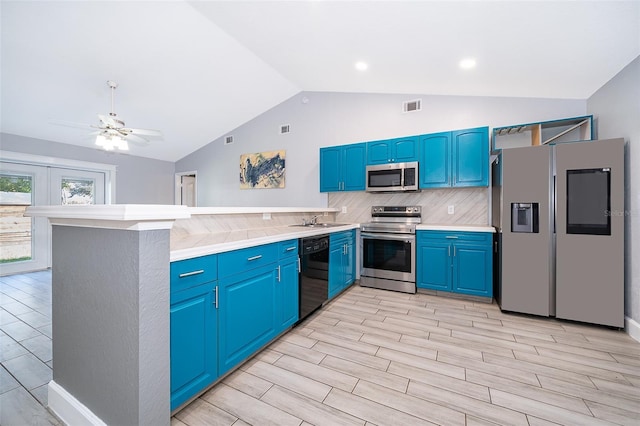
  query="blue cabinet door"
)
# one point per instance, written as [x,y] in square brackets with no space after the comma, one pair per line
[336,268]
[434,265]
[330,169]
[470,157]
[404,149]
[378,152]
[350,260]
[354,167]
[246,315]
[193,342]
[342,268]
[287,294]
[435,161]
[473,270]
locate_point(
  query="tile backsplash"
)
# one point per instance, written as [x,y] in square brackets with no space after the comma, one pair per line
[470,205]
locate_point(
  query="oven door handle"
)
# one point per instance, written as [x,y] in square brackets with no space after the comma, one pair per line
[394,237]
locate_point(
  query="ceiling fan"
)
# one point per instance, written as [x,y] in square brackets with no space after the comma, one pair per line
[112,133]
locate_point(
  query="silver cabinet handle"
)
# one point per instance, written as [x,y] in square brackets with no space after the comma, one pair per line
[254,258]
[451,237]
[216,299]
[454,251]
[299,266]
[188,274]
[278,273]
[449,251]
[291,248]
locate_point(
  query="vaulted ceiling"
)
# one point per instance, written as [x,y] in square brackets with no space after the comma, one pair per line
[198,69]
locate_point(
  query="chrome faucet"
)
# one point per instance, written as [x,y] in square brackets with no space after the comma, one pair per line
[312,221]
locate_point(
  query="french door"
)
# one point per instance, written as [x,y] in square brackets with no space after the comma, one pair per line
[25,242]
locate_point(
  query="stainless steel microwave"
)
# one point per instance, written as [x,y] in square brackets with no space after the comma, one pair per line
[393,177]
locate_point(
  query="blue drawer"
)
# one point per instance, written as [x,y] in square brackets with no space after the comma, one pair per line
[190,272]
[237,261]
[456,236]
[287,248]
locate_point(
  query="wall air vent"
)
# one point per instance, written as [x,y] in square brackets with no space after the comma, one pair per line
[228,140]
[285,128]
[412,106]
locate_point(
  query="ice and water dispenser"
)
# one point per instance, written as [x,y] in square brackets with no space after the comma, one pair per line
[524,217]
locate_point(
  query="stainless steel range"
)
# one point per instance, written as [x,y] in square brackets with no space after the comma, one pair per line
[388,248]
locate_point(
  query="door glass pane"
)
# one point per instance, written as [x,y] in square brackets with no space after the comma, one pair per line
[15,228]
[77,191]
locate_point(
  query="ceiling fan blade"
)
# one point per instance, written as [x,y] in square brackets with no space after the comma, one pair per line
[137,140]
[72,124]
[146,132]
[111,121]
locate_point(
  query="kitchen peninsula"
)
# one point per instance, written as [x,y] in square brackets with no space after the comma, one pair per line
[111,297]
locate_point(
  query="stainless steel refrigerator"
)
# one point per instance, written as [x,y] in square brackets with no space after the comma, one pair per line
[560,213]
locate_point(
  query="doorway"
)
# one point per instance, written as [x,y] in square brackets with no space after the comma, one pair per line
[186,189]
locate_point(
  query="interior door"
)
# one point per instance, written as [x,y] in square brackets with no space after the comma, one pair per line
[188,190]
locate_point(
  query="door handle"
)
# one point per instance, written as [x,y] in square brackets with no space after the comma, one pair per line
[215,302]
[299,266]
[291,248]
[278,273]
[254,258]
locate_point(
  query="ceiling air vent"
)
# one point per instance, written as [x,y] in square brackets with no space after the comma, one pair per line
[228,140]
[285,128]
[412,106]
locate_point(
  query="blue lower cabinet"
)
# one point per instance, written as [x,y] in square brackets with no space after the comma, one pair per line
[194,364]
[434,265]
[287,294]
[459,262]
[473,273]
[246,315]
[341,261]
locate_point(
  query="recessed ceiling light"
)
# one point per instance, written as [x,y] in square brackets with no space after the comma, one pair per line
[467,63]
[361,66]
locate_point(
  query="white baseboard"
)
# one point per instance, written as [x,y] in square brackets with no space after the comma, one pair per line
[633,328]
[69,409]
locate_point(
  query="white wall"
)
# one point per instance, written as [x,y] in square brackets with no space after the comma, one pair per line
[616,105]
[138,180]
[321,119]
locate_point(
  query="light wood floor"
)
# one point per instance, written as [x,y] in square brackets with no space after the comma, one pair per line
[386,358]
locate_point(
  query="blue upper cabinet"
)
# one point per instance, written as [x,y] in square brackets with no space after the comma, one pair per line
[435,160]
[399,150]
[342,168]
[455,159]
[470,157]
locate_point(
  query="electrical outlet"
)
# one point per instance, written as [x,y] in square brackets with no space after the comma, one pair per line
[266,216]
[450,209]
[344,209]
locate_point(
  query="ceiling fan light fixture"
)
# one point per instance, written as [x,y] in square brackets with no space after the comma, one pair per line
[121,144]
[109,142]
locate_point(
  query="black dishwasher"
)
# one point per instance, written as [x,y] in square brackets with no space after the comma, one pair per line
[314,274]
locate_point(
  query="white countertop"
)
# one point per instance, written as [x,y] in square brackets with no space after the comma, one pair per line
[461,228]
[218,242]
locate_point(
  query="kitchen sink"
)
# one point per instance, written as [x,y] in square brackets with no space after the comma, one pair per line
[319,225]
